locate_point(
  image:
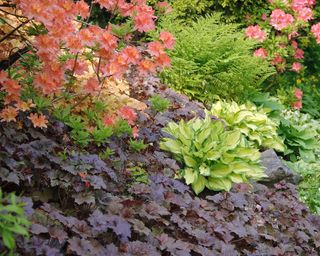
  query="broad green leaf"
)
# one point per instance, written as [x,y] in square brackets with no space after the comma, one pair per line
[199,185]
[204,170]
[189,161]
[190,175]
[8,239]
[220,170]
[219,184]
[236,178]
[231,139]
[171,145]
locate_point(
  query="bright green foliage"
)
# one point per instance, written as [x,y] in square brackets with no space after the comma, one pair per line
[252,122]
[159,104]
[12,220]
[301,135]
[139,174]
[213,157]
[212,58]
[137,145]
[188,10]
[309,188]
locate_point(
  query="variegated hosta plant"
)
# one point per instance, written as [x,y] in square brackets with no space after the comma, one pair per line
[253,122]
[213,157]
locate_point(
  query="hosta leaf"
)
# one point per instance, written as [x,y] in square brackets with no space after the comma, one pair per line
[189,161]
[219,184]
[204,170]
[231,139]
[199,185]
[213,155]
[190,175]
[171,145]
[236,178]
[220,170]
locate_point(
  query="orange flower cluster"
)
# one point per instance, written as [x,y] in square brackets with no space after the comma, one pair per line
[59,17]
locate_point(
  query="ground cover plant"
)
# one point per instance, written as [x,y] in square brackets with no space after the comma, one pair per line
[99,157]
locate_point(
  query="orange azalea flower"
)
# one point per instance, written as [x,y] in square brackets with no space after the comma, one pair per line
[108,121]
[3,76]
[92,86]
[12,87]
[8,114]
[38,120]
[24,106]
[128,114]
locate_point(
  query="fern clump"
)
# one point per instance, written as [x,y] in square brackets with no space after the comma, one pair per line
[213,59]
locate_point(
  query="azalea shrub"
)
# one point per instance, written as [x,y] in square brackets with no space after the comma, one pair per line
[213,157]
[71,60]
[280,31]
[251,121]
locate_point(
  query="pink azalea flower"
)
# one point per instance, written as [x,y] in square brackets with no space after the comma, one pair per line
[255,32]
[305,14]
[280,20]
[294,44]
[277,60]
[315,29]
[298,93]
[297,104]
[299,54]
[261,52]
[297,5]
[296,67]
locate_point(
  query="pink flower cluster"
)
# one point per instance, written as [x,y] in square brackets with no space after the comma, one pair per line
[305,14]
[255,32]
[297,5]
[315,29]
[280,20]
[298,93]
[261,52]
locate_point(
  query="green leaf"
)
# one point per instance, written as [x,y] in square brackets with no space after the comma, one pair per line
[189,161]
[199,185]
[231,139]
[190,175]
[8,239]
[204,170]
[219,184]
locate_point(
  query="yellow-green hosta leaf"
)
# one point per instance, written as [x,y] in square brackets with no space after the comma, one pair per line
[255,136]
[190,161]
[216,108]
[241,115]
[227,158]
[171,145]
[203,135]
[236,178]
[231,139]
[241,168]
[250,153]
[213,155]
[199,185]
[219,184]
[204,170]
[190,175]
[220,170]
[275,143]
